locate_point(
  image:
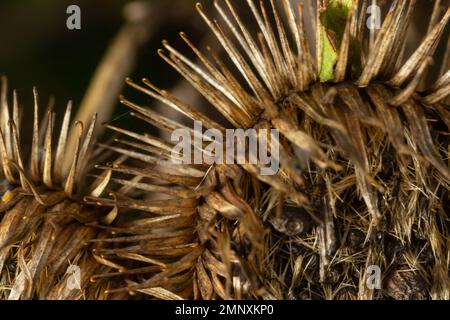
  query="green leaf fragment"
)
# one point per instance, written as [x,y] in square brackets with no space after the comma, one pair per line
[333,21]
[329,59]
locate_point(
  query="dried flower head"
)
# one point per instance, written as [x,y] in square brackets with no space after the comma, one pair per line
[363,152]
[44,224]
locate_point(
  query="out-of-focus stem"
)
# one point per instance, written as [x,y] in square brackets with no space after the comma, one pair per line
[108,80]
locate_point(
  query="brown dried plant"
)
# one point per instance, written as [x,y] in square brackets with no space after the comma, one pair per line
[44,224]
[364,176]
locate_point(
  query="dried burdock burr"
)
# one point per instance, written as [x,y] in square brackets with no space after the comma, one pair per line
[363,179]
[44,224]
[360,146]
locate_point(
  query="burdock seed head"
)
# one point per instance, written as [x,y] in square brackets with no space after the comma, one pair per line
[45,227]
[362,149]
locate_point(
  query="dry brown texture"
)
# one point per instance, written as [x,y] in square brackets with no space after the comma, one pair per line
[366,156]
[44,225]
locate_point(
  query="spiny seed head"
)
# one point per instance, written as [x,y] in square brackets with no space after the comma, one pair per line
[363,181]
[362,152]
[44,224]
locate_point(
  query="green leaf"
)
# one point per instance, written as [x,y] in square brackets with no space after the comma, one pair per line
[333,21]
